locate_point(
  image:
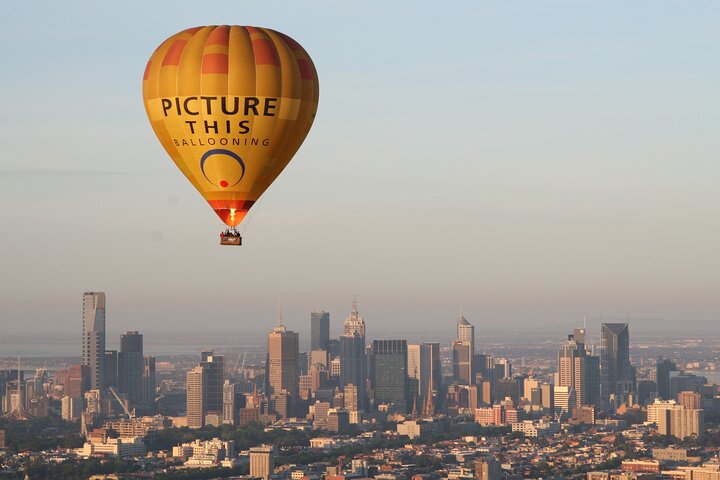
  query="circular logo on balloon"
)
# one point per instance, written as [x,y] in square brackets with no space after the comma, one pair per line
[222,168]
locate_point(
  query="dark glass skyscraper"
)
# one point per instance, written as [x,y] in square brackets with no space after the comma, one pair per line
[662,377]
[213,376]
[319,330]
[615,370]
[353,365]
[390,373]
[130,366]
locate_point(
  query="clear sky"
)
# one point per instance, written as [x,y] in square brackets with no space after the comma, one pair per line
[532,161]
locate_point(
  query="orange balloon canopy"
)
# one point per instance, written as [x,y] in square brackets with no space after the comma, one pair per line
[231,105]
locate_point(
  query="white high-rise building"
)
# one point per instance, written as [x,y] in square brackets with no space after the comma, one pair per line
[93,347]
[564,400]
[466,332]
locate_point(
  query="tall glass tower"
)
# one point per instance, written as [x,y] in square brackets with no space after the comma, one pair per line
[93,347]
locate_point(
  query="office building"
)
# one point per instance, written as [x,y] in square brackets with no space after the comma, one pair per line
[318,357]
[196,397]
[131,366]
[414,364]
[77,381]
[111,369]
[663,370]
[229,411]
[262,462]
[529,385]
[616,372]
[466,332]
[690,400]
[564,398]
[547,397]
[353,365]
[71,408]
[205,390]
[283,371]
[687,423]
[93,347]
[578,370]
[462,361]
[148,380]
[390,373]
[354,324]
[350,395]
[214,372]
[319,330]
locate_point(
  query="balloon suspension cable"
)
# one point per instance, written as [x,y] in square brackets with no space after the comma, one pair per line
[251,214]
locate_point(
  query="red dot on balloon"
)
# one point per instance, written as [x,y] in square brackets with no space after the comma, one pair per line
[223,183]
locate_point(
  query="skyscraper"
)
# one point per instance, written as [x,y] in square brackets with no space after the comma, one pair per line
[354,323]
[111,369]
[578,370]
[390,373]
[319,330]
[93,348]
[148,380]
[464,352]
[462,362]
[282,367]
[662,377]
[414,352]
[196,398]
[615,370]
[353,365]
[214,376]
[130,366]
[229,415]
[466,332]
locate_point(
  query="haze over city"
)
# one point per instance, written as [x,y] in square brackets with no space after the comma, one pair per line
[534,163]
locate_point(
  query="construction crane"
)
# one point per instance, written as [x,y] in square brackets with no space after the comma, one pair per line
[130,414]
[235,370]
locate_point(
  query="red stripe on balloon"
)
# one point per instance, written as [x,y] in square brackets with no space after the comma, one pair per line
[215,63]
[219,36]
[172,57]
[265,53]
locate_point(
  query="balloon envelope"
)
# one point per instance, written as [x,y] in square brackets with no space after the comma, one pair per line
[231,105]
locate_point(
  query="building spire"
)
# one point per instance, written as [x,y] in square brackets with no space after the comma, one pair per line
[19,412]
[355,305]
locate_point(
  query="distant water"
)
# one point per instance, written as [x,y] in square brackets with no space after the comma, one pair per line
[154,344]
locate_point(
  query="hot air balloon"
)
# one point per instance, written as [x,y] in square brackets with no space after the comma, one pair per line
[231,105]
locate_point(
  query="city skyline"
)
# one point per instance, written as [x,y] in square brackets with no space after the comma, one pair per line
[468,241]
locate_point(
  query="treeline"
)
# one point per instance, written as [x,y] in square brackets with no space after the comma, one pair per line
[245,437]
[39,469]
[202,473]
[37,434]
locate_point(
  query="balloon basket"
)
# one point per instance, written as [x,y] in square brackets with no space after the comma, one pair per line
[231,238]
